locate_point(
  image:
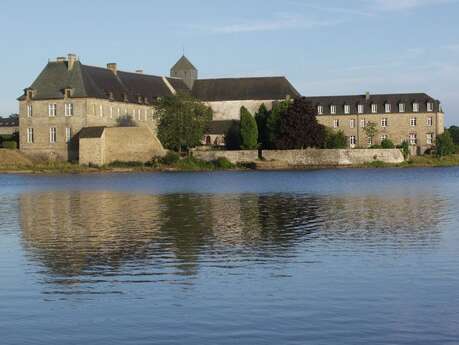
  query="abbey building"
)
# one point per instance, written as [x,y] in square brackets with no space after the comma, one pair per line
[69,96]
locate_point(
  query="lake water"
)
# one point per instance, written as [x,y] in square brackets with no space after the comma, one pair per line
[302,257]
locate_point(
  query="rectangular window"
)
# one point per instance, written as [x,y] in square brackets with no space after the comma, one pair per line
[335,123]
[352,141]
[69,109]
[387,107]
[352,123]
[139,114]
[94,110]
[101,111]
[347,109]
[362,123]
[146,115]
[118,114]
[52,135]
[333,109]
[413,122]
[430,106]
[413,138]
[401,107]
[111,112]
[30,135]
[429,139]
[429,121]
[383,137]
[374,108]
[320,110]
[384,122]
[52,110]
[68,135]
[360,108]
[29,110]
[370,141]
[415,107]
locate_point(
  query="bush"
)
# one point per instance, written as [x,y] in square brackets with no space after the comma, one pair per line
[10,145]
[405,148]
[223,163]
[445,145]
[233,137]
[335,140]
[170,158]
[249,131]
[387,144]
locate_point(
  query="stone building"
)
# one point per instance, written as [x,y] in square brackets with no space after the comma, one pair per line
[9,125]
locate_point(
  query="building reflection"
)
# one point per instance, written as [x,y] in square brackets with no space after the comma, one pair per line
[78,234]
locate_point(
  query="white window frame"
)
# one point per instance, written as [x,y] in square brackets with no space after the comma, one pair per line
[29,110]
[415,107]
[52,109]
[363,123]
[374,108]
[401,107]
[413,122]
[52,135]
[111,112]
[347,109]
[68,134]
[430,107]
[352,123]
[387,107]
[320,110]
[384,122]
[370,141]
[29,135]
[360,108]
[333,109]
[336,123]
[413,139]
[429,138]
[352,141]
[101,110]
[69,109]
[430,121]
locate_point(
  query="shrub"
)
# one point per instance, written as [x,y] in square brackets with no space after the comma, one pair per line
[445,145]
[335,140]
[387,144]
[405,148]
[262,118]
[170,158]
[223,163]
[233,137]
[249,131]
[273,123]
[10,145]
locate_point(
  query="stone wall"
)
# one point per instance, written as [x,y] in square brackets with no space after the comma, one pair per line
[247,156]
[309,157]
[124,144]
[231,110]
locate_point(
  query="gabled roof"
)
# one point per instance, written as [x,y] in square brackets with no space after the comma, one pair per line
[380,99]
[97,82]
[238,89]
[183,64]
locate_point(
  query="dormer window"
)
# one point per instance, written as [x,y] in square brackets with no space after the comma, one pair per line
[401,107]
[125,97]
[110,96]
[430,106]
[320,110]
[29,93]
[360,108]
[387,107]
[347,109]
[68,92]
[333,109]
[146,100]
[139,99]
[415,107]
[374,108]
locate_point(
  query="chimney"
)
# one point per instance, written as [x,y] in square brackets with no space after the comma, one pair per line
[71,59]
[112,67]
[60,59]
[367,96]
[139,71]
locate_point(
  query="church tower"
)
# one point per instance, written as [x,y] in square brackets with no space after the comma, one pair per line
[185,70]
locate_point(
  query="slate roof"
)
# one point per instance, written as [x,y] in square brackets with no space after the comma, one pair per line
[381,99]
[9,122]
[229,89]
[91,132]
[219,126]
[183,64]
[97,82]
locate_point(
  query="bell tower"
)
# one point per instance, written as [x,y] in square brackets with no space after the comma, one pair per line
[185,70]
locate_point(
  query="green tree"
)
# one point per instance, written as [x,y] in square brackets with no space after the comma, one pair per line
[387,144]
[182,121]
[249,130]
[273,122]
[335,140]
[454,132]
[233,137]
[262,118]
[298,127]
[445,145]
[371,129]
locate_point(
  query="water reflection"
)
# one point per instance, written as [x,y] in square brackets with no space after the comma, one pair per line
[80,239]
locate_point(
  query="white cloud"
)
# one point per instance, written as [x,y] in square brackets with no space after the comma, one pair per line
[397,5]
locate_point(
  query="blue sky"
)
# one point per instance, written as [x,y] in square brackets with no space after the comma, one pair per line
[323,47]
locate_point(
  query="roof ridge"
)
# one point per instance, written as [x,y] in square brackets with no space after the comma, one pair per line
[233,78]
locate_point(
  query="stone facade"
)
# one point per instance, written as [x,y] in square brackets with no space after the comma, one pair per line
[123,144]
[231,110]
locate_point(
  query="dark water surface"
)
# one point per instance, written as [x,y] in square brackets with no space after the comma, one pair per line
[315,257]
